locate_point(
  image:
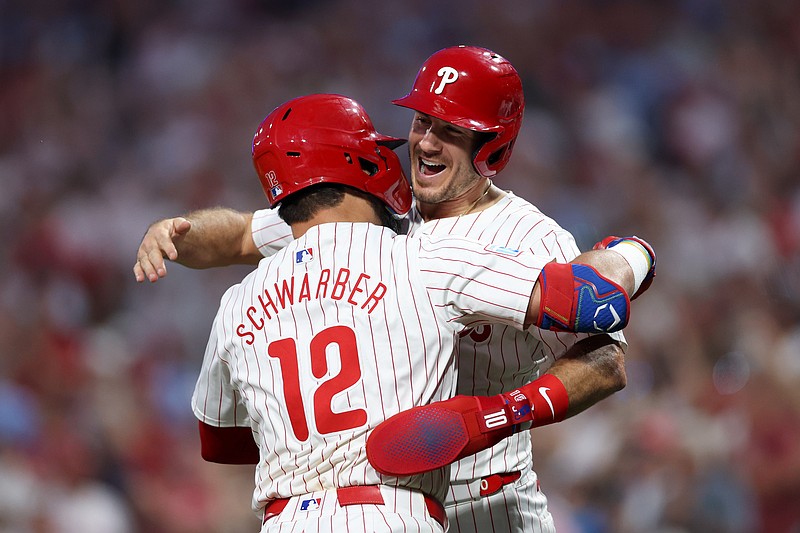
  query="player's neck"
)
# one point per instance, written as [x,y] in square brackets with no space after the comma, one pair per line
[476,200]
[352,209]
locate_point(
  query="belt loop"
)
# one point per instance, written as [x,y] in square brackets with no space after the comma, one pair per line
[493,483]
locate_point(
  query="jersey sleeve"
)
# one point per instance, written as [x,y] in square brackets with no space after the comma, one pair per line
[476,283]
[215,400]
[270,232]
[558,244]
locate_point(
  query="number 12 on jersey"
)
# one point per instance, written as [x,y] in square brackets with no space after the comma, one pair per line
[285,351]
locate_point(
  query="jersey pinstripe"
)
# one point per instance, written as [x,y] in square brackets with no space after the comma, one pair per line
[341,329]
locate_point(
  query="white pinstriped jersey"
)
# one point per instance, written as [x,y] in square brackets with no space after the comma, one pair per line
[341,329]
[493,358]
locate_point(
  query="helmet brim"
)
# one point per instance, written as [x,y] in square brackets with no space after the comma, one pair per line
[389,142]
[453,115]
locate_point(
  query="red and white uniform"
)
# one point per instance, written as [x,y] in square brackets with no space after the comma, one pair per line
[339,330]
[492,359]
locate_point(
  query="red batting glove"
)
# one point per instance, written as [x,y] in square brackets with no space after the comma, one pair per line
[611,241]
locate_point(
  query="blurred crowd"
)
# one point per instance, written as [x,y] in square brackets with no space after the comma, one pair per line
[676,120]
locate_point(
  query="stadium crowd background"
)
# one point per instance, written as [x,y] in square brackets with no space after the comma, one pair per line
[675,120]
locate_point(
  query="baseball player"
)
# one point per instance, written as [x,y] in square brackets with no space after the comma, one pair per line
[350,324]
[468,105]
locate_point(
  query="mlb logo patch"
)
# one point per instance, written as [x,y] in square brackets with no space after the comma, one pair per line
[274,186]
[304,256]
[312,504]
[502,250]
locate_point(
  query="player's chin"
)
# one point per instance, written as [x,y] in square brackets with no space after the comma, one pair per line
[426,193]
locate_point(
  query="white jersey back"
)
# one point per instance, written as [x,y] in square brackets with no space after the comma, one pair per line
[340,330]
[492,358]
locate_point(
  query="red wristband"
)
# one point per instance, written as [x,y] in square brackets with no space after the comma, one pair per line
[549,400]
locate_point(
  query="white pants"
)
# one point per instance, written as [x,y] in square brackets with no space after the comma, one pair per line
[402,511]
[519,507]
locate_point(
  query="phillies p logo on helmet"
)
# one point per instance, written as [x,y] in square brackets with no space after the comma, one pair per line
[447,75]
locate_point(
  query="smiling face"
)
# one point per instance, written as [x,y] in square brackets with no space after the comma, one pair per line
[444,181]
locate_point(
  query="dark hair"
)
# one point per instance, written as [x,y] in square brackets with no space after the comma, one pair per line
[304,204]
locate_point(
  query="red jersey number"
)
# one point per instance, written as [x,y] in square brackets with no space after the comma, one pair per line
[285,350]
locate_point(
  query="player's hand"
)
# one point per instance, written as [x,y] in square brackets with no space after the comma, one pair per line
[610,242]
[159,242]
[432,436]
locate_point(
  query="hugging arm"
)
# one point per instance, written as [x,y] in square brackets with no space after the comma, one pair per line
[574,296]
[201,239]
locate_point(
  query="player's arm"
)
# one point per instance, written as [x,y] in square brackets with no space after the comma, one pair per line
[594,368]
[223,421]
[572,299]
[592,293]
[591,370]
[201,239]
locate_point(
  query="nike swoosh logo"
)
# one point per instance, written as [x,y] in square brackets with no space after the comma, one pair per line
[543,392]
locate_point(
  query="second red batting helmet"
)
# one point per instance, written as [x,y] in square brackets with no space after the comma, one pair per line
[328,138]
[476,89]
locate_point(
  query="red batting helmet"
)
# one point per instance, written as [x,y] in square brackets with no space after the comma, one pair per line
[476,89]
[327,138]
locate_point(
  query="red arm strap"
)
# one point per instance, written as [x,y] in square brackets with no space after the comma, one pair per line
[230,446]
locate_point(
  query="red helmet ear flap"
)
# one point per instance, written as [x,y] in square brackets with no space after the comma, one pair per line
[493,155]
[476,89]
